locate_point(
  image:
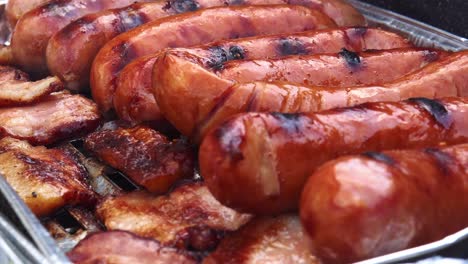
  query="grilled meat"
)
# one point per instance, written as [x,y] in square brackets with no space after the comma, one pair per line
[363,206]
[46,179]
[120,247]
[56,117]
[188,217]
[265,240]
[16,8]
[144,155]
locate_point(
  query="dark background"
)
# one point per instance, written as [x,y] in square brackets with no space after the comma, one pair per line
[450,15]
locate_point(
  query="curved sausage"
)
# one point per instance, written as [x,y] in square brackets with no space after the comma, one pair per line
[182,82]
[133,99]
[29,44]
[259,162]
[192,29]
[71,51]
[358,207]
[17,8]
[444,78]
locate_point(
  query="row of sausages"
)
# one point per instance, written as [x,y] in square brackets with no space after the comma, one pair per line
[316,59]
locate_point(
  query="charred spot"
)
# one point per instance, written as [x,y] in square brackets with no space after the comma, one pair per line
[84,24]
[431,55]
[182,6]
[436,109]
[202,238]
[234,2]
[288,121]
[34,194]
[130,19]
[442,159]
[291,47]
[379,156]
[352,58]
[359,31]
[230,137]
[220,55]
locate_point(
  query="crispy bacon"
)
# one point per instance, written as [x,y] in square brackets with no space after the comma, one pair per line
[144,155]
[265,240]
[188,217]
[56,117]
[46,179]
[15,92]
[122,247]
[17,89]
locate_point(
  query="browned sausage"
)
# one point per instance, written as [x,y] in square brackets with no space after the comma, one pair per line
[192,29]
[259,162]
[16,8]
[189,94]
[358,207]
[133,99]
[71,51]
[29,43]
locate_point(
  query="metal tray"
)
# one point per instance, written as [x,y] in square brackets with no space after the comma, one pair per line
[49,251]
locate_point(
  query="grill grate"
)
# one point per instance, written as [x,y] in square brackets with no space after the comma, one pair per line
[71,224]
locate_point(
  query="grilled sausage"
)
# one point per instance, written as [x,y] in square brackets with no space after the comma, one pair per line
[180,82]
[206,106]
[71,51]
[259,162]
[133,100]
[16,8]
[29,44]
[358,207]
[195,28]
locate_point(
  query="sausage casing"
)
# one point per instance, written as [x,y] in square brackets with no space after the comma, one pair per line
[71,51]
[29,44]
[133,99]
[193,29]
[358,207]
[16,8]
[182,82]
[258,162]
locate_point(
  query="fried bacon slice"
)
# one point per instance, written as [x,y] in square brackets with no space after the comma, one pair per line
[144,155]
[17,89]
[188,217]
[15,92]
[46,179]
[265,240]
[120,247]
[56,117]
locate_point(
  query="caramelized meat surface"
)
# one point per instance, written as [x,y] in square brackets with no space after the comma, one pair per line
[265,240]
[46,179]
[56,117]
[122,247]
[188,217]
[13,92]
[144,155]
[15,87]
